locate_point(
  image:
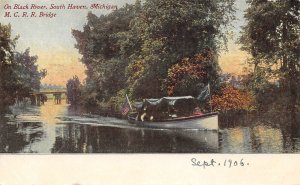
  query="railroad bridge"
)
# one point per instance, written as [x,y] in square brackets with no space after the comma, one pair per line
[38,98]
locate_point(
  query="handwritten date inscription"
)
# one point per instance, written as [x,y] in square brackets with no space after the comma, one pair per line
[213,163]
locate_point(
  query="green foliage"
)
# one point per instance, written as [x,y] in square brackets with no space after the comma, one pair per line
[118,100]
[27,76]
[132,49]
[103,44]
[7,47]
[172,30]
[19,71]
[74,90]
[271,36]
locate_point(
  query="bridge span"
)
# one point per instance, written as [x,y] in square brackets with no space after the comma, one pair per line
[39,97]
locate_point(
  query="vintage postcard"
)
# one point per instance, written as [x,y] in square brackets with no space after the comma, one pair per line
[156,77]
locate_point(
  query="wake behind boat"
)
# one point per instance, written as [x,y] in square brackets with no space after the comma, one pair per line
[173,113]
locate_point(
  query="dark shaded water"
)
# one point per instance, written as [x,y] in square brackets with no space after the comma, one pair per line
[56,129]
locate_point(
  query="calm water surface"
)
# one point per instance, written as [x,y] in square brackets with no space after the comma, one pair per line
[57,129]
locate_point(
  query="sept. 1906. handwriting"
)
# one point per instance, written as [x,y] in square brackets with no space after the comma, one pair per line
[229,163]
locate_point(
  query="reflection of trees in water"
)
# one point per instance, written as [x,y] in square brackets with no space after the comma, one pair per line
[66,139]
[259,139]
[74,138]
[236,140]
[269,132]
[17,137]
[291,138]
[269,139]
[255,143]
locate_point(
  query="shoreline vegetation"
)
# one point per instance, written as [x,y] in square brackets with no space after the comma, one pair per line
[171,48]
[19,74]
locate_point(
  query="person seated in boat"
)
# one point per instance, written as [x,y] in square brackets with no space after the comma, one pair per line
[142,114]
[147,114]
[146,117]
[150,113]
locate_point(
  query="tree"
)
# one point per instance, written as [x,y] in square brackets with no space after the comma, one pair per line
[7,48]
[102,44]
[231,99]
[26,75]
[271,36]
[73,90]
[140,43]
[172,30]
[19,71]
[190,75]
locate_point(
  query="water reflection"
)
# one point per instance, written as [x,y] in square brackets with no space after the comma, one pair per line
[58,129]
[51,111]
[257,139]
[88,139]
[236,140]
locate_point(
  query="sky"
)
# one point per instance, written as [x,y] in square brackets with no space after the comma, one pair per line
[233,60]
[51,39]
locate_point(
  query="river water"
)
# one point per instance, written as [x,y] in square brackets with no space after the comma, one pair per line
[58,129]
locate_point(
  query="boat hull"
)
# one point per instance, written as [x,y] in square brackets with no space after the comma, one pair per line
[201,122]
